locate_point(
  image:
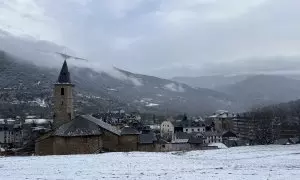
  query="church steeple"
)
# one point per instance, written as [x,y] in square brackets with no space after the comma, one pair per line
[64,75]
[63,98]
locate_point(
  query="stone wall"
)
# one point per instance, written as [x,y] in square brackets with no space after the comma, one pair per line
[44,146]
[128,143]
[69,145]
[146,147]
[172,147]
[110,141]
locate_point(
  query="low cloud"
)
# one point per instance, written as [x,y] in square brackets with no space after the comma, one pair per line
[165,38]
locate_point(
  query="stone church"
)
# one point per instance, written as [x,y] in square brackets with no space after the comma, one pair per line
[82,134]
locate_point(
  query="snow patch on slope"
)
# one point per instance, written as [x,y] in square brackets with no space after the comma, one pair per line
[121,76]
[174,87]
[152,105]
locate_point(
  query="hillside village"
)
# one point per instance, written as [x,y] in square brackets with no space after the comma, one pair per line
[71,133]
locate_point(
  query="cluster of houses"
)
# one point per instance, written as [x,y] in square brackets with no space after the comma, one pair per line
[19,132]
[69,133]
[115,131]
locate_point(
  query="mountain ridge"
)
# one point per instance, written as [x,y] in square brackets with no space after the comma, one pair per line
[102,91]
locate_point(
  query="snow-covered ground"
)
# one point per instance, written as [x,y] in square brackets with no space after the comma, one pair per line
[253,163]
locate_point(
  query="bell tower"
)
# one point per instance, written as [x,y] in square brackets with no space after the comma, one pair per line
[63,98]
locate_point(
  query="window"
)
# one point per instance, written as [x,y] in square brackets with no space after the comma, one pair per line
[62,91]
[186,130]
[198,130]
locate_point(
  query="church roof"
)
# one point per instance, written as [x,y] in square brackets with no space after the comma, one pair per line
[102,124]
[78,127]
[64,75]
[84,125]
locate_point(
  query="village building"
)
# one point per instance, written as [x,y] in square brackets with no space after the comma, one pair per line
[81,134]
[230,139]
[193,126]
[212,137]
[244,127]
[85,134]
[10,133]
[167,130]
[147,142]
[222,120]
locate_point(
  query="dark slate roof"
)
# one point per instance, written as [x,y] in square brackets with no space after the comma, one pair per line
[78,127]
[192,124]
[129,131]
[64,75]
[102,124]
[85,125]
[195,140]
[282,141]
[147,138]
[229,134]
[295,140]
[177,124]
[9,127]
[212,133]
[182,135]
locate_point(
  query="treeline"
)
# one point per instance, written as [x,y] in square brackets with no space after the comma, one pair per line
[275,121]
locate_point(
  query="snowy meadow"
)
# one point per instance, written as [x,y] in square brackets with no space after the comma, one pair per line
[252,162]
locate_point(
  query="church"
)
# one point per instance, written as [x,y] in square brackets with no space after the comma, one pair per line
[83,134]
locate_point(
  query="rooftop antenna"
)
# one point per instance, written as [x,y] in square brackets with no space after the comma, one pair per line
[65,56]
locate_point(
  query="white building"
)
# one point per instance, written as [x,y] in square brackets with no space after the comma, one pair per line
[9,134]
[212,137]
[197,129]
[167,129]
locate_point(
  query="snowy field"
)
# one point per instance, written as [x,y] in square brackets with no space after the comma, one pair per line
[253,163]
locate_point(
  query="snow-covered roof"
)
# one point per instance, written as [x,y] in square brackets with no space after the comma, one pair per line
[219,145]
[30,117]
[8,121]
[154,126]
[37,121]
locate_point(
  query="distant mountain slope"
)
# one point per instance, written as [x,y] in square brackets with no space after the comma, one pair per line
[22,81]
[263,90]
[211,82]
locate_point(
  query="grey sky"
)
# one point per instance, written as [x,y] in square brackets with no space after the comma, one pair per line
[166,37]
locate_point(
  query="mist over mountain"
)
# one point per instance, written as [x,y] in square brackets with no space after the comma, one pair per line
[211,82]
[263,90]
[30,66]
[102,91]
[251,90]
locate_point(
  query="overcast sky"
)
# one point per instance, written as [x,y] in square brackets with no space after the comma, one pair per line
[166,37]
